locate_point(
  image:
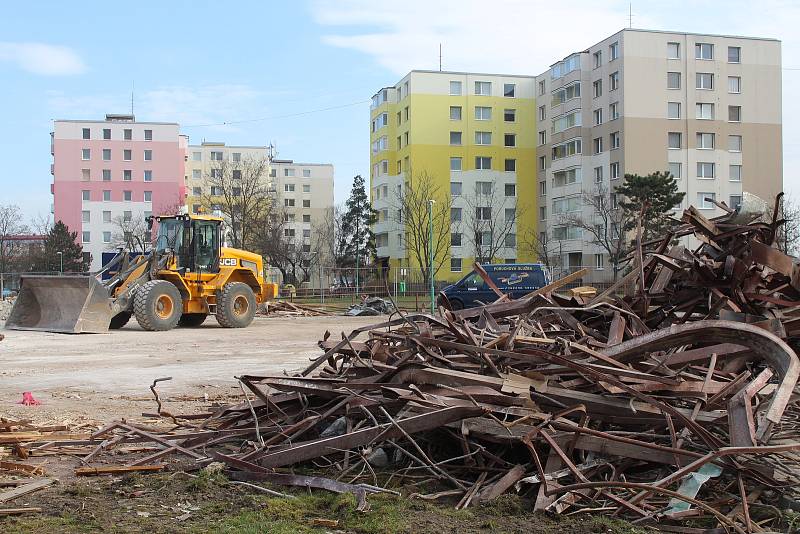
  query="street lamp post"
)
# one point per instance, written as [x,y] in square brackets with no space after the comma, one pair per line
[61,262]
[430,250]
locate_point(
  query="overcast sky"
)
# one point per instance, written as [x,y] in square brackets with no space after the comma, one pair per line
[300,74]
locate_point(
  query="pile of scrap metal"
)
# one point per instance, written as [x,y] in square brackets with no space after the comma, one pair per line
[284,308]
[371,306]
[667,399]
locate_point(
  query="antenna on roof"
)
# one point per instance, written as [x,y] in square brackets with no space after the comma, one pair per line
[440,57]
[133,88]
[630,14]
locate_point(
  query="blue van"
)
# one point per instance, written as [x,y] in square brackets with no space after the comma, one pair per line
[514,279]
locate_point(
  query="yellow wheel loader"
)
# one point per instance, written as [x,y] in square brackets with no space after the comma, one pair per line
[187,276]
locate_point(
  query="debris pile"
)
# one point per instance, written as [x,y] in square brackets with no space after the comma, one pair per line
[670,397]
[5,307]
[285,308]
[371,306]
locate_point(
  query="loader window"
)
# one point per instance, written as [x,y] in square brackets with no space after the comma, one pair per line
[206,245]
[170,235]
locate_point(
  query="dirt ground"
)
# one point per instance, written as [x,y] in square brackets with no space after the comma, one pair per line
[100,377]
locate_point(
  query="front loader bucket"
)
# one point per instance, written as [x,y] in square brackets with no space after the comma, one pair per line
[65,304]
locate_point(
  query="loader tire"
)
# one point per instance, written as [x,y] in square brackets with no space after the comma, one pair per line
[120,320]
[158,305]
[236,305]
[191,320]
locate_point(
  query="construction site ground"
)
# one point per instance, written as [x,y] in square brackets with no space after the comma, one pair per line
[93,379]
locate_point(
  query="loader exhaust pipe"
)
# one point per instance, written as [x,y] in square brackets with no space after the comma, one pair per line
[64,304]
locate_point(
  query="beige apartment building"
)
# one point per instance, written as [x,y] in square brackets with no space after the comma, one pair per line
[707,108]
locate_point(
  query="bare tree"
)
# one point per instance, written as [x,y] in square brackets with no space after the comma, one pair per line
[490,221]
[131,233]
[10,225]
[788,238]
[239,190]
[41,224]
[411,207]
[549,252]
[604,224]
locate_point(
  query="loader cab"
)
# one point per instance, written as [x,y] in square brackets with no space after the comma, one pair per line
[194,241]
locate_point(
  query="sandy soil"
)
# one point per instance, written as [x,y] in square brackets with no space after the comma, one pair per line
[83,378]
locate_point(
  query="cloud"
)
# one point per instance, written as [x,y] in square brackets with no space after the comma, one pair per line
[41,58]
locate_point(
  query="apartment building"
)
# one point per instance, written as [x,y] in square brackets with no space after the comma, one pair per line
[473,136]
[304,189]
[707,108]
[111,170]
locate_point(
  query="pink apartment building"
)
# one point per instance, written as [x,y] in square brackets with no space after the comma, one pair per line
[112,171]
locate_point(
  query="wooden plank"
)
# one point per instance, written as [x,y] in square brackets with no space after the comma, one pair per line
[19,491]
[23,468]
[19,511]
[113,470]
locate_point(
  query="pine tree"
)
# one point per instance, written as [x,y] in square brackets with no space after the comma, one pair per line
[60,239]
[658,192]
[356,242]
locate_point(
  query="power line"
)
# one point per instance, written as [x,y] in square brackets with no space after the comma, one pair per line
[272,117]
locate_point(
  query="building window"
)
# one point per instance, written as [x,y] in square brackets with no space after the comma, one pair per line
[86,154]
[288,202]
[598,117]
[148,135]
[510,240]
[542,213]
[455,265]
[148,155]
[704,200]
[673,80]
[148,196]
[542,113]
[195,208]
[216,156]
[509,90]
[127,196]
[598,262]
[455,239]
[510,215]
[735,173]
[106,216]
[704,80]
[542,137]
[704,111]
[307,218]
[236,157]
[734,84]
[597,59]
[306,203]
[673,110]
[126,155]
[455,113]
[197,156]
[613,80]
[613,111]
[86,175]
[673,51]
[566,149]
[510,140]
[106,154]
[86,195]
[483,88]
[598,145]
[455,138]
[615,172]
[455,164]
[455,88]
[106,175]
[197,191]
[734,143]
[148,176]
[483,113]
[542,87]
[511,190]
[510,115]
[705,141]
[87,133]
[86,216]
[735,113]
[455,215]
[127,175]
[543,188]
[542,163]
[307,187]
[705,170]
[597,88]
[288,173]
[106,133]
[483,138]
[483,163]
[288,188]
[735,201]
[510,165]
[107,195]
[734,54]
[483,213]
[86,237]
[703,51]
[675,169]
[598,175]
[455,189]
[674,140]
[483,188]
[615,140]
[127,134]
[613,51]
